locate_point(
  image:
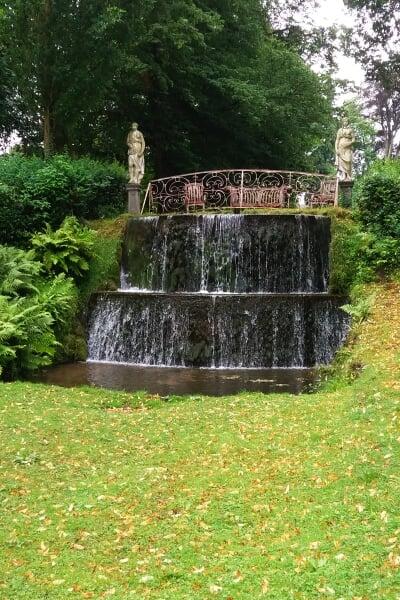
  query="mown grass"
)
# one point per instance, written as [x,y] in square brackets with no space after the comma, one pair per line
[107,494]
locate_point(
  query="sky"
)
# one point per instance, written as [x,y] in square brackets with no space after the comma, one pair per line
[334,12]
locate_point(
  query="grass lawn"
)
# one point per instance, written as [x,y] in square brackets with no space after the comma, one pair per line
[106,494]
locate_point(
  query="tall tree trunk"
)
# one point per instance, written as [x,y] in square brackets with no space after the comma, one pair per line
[388,150]
[48,134]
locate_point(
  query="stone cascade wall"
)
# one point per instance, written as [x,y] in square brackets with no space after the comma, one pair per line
[233,291]
[227,253]
[216,331]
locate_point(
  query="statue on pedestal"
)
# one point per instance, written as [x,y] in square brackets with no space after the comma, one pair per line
[136,148]
[344,151]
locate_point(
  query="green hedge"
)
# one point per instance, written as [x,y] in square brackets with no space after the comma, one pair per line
[34,192]
[377,198]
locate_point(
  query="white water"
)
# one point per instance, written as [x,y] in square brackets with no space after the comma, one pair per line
[230,291]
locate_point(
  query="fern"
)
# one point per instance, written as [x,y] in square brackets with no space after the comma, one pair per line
[360,309]
[18,271]
[58,296]
[37,298]
[31,323]
[67,250]
[26,334]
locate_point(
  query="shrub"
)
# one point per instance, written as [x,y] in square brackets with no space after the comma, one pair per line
[358,256]
[377,198]
[66,250]
[379,255]
[18,270]
[34,312]
[27,340]
[34,191]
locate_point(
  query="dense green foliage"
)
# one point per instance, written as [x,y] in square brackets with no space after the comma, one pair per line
[359,256]
[35,192]
[39,298]
[33,310]
[377,198]
[67,250]
[211,84]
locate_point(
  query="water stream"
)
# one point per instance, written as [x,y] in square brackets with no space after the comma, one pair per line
[221,292]
[227,253]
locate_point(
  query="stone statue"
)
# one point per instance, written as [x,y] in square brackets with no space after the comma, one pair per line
[344,151]
[136,148]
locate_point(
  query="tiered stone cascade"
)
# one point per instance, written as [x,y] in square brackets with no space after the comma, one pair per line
[217,291]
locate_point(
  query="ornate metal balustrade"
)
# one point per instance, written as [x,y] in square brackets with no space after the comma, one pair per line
[244,189]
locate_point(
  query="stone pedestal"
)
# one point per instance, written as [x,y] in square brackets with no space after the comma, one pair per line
[346,192]
[133,190]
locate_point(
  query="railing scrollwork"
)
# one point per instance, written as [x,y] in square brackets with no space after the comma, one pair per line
[240,189]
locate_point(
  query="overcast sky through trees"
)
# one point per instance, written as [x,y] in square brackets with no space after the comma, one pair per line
[334,12]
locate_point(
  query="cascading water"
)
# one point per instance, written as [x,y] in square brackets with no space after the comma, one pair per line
[227,253]
[234,291]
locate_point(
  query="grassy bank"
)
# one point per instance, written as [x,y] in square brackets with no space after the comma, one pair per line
[107,494]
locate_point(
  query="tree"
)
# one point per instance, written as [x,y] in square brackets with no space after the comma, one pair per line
[378,24]
[209,83]
[375,43]
[63,56]
[6,108]
[292,22]
[382,95]
[220,92]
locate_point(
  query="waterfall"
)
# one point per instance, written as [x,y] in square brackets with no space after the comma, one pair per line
[221,291]
[207,330]
[227,254]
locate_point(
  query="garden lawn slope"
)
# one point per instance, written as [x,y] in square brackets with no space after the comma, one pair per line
[112,495]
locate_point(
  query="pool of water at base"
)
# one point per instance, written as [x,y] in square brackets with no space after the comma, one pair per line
[167,381]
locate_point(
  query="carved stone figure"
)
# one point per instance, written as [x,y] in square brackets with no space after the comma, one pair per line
[136,148]
[344,151]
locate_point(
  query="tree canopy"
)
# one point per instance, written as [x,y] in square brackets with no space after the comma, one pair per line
[375,44]
[211,84]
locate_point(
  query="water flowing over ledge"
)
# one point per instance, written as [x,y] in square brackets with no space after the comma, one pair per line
[216,331]
[227,253]
[221,292]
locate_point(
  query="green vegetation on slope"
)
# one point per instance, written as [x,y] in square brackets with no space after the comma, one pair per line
[108,494]
[359,255]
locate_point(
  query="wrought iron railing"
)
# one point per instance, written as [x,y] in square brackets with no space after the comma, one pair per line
[244,188]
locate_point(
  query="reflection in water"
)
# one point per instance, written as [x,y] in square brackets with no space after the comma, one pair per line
[167,381]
